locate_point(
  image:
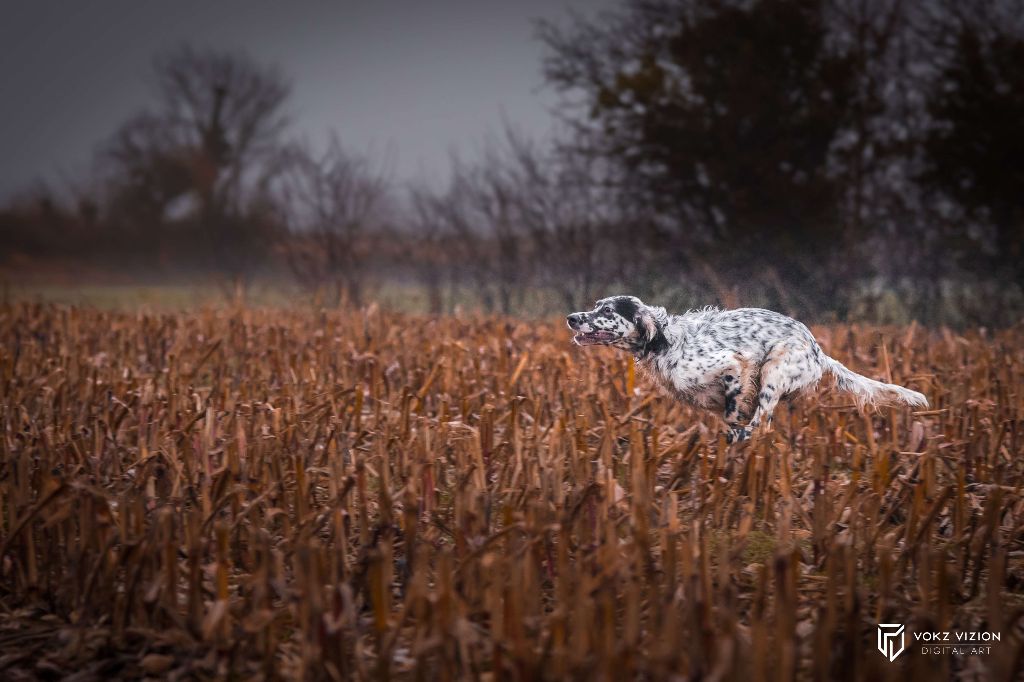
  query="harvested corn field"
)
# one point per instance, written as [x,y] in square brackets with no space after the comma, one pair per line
[265,494]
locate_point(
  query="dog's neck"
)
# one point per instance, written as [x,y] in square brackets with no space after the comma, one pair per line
[652,348]
[659,342]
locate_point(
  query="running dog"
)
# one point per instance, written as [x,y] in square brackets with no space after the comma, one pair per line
[741,362]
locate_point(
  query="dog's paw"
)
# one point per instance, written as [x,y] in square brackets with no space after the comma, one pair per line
[737,435]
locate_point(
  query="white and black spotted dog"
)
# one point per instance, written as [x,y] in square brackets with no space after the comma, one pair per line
[741,362]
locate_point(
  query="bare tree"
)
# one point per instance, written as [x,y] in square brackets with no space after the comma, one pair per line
[227,110]
[493,201]
[566,209]
[524,219]
[482,210]
[204,153]
[331,202]
[431,248]
[472,253]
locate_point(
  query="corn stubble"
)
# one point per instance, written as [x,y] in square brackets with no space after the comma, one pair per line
[285,494]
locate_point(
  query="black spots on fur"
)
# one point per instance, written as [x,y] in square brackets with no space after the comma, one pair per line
[733,389]
[737,435]
[626,307]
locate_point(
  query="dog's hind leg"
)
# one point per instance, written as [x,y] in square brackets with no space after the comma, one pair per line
[739,395]
[773,387]
[788,368]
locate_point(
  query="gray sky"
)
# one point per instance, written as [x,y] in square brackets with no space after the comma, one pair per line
[400,79]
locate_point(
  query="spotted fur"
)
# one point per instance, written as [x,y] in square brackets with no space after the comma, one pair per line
[739,362]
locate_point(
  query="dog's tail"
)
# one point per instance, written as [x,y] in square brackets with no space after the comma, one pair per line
[870,392]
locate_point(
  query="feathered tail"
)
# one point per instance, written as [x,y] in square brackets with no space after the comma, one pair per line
[870,392]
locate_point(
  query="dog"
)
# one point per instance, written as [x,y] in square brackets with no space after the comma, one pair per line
[741,362]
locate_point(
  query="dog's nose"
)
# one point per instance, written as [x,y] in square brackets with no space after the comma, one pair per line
[574,319]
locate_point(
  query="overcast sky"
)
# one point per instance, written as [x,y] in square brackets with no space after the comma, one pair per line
[404,79]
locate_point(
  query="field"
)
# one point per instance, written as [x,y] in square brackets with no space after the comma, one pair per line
[274,493]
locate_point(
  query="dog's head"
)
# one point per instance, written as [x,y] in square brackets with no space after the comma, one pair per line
[623,322]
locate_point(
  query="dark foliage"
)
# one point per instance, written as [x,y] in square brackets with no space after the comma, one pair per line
[975,150]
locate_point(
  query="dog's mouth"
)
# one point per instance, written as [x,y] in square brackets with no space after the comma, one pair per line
[593,338]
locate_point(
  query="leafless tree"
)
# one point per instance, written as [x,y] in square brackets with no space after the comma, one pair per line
[525,219]
[331,202]
[431,249]
[227,110]
[471,256]
[203,154]
[492,199]
[564,206]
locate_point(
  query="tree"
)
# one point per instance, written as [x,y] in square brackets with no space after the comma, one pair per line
[330,202]
[474,213]
[723,116]
[526,219]
[206,152]
[431,249]
[561,200]
[974,149]
[226,110]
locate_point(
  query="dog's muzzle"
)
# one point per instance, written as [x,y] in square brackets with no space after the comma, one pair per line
[587,337]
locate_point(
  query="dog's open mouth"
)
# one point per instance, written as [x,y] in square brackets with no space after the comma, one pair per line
[592,338]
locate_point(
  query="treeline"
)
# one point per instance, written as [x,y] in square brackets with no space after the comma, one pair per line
[861,159]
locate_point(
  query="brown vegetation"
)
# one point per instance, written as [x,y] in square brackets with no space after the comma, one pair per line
[365,495]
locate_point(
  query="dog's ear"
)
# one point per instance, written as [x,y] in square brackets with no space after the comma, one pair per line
[647,324]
